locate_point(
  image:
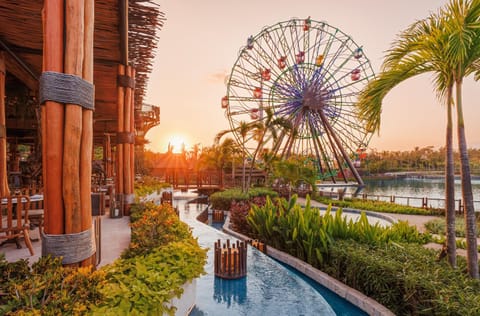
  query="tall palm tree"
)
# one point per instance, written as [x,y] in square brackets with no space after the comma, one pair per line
[420,49]
[243,129]
[269,125]
[463,27]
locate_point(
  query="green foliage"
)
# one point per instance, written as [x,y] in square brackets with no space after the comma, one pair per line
[156,226]
[378,206]
[148,185]
[406,278]
[295,170]
[223,200]
[162,257]
[144,285]
[239,211]
[306,234]
[48,288]
[437,226]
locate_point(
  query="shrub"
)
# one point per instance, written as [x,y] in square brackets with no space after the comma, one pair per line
[144,285]
[239,211]
[48,288]
[406,278]
[155,226]
[437,226]
[378,206]
[162,257]
[223,200]
[148,185]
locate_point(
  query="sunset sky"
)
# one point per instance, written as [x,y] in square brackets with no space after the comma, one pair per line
[199,45]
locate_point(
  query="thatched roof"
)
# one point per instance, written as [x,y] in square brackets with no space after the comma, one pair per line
[21,34]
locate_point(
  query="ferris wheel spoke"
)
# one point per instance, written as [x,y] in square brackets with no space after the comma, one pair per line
[296,84]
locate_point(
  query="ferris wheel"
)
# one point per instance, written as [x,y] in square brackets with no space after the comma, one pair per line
[296,85]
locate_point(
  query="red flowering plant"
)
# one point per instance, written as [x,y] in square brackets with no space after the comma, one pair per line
[239,211]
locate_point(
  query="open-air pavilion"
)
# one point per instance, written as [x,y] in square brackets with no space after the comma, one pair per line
[73,76]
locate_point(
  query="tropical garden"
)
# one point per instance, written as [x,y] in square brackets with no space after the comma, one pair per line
[389,264]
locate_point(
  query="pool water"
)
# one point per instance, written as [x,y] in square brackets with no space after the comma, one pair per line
[270,288]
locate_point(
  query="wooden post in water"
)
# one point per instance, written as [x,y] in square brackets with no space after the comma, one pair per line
[4,189]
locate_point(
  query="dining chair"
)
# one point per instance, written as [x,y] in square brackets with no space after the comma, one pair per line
[14,221]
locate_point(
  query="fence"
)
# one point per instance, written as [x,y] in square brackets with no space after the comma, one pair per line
[422,202]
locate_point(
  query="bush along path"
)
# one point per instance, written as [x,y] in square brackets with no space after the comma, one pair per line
[389,264]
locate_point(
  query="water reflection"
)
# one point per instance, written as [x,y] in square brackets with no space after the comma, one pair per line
[228,291]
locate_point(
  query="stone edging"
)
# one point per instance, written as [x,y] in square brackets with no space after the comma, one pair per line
[355,297]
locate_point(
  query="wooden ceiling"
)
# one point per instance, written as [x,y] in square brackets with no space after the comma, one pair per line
[21,38]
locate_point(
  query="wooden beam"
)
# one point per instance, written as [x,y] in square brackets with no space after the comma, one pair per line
[18,68]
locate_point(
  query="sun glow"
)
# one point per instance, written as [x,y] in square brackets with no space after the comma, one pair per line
[177,144]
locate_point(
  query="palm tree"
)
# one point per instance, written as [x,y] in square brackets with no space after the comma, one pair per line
[243,129]
[269,125]
[463,22]
[420,49]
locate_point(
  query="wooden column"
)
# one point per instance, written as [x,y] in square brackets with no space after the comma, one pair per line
[125,141]
[126,128]
[4,190]
[52,120]
[107,156]
[132,130]
[86,150]
[119,187]
[68,129]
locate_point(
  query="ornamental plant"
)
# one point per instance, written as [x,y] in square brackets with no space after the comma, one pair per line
[154,226]
[162,257]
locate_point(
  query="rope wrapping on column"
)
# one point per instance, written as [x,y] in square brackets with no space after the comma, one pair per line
[126,81]
[66,88]
[72,248]
[125,138]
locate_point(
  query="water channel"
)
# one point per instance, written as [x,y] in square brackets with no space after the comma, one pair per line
[270,288]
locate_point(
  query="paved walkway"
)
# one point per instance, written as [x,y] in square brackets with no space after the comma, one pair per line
[115,237]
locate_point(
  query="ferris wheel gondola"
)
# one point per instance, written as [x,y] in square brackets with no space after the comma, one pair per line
[306,74]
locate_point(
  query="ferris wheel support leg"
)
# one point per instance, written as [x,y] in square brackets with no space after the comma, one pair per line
[342,150]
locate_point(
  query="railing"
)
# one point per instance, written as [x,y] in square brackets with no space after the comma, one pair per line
[422,202]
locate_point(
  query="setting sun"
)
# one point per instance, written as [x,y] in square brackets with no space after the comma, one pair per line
[177,143]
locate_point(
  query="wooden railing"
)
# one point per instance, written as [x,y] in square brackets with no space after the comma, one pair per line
[423,202]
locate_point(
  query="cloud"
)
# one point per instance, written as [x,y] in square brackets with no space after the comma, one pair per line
[218,77]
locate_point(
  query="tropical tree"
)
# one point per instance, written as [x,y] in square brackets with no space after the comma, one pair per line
[243,129]
[265,131]
[438,44]
[463,26]
[217,156]
[421,48]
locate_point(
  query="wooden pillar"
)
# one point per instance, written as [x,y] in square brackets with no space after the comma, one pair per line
[4,189]
[132,130]
[52,119]
[86,149]
[67,129]
[125,136]
[119,188]
[107,156]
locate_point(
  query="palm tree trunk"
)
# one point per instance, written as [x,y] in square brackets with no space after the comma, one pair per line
[467,194]
[253,159]
[449,187]
[243,172]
